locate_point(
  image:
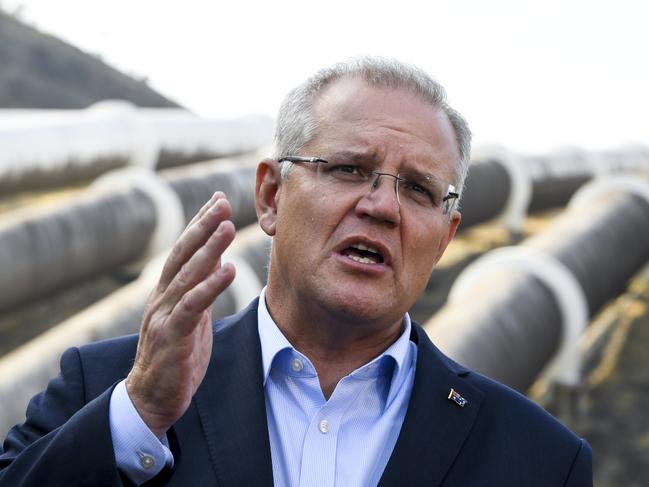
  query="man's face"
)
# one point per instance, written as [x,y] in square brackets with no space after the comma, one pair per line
[316,257]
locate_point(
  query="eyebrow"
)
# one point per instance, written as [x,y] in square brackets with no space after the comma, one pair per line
[370,156]
[353,156]
[428,175]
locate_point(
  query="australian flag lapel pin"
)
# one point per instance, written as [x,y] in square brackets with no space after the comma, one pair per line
[455,396]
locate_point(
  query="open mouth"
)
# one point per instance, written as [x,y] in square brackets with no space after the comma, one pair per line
[363,254]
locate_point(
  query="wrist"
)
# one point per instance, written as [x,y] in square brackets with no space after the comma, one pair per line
[154,421]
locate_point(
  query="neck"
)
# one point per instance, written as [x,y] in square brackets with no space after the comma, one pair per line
[336,344]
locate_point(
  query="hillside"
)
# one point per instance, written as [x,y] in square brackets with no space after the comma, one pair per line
[39,71]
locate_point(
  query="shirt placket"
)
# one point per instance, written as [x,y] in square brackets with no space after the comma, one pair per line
[319,452]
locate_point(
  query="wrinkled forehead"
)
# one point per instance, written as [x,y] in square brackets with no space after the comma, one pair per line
[388,122]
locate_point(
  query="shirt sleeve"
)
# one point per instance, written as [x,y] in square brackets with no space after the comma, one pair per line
[139,454]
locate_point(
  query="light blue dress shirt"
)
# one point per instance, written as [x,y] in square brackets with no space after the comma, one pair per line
[344,441]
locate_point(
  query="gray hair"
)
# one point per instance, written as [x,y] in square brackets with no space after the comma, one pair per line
[296,124]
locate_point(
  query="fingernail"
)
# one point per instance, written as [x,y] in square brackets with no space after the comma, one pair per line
[221,227]
[217,206]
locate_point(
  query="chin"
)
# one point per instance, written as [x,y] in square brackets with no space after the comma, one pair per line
[363,306]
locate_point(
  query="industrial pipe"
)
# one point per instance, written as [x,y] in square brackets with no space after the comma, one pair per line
[510,321]
[507,187]
[45,149]
[111,224]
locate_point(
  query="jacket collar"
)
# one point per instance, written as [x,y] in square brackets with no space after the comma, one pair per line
[231,404]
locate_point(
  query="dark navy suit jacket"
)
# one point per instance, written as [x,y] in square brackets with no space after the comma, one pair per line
[499,438]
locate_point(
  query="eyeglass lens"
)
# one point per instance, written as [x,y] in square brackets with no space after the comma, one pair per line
[412,188]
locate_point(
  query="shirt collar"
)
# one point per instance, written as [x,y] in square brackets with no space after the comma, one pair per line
[272,339]
[401,352]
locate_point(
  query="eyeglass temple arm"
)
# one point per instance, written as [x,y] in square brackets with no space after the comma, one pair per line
[302,159]
[451,193]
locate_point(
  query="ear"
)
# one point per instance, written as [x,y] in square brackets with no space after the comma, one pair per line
[453,223]
[266,194]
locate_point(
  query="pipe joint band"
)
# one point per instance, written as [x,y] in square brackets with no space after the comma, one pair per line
[170,215]
[520,193]
[602,187]
[565,367]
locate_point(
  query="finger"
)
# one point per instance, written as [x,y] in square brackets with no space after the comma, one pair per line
[193,238]
[216,196]
[204,261]
[186,315]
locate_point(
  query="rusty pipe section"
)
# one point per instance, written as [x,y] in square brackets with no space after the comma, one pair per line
[509,323]
[43,250]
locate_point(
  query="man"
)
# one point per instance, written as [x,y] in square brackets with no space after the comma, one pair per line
[324,380]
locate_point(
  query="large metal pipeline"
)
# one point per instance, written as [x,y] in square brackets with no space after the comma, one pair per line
[45,250]
[509,322]
[42,250]
[45,149]
[26,370]
[194,185]
[486,192]
[505,186]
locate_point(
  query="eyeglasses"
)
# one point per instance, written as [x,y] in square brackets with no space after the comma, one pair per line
[414,190]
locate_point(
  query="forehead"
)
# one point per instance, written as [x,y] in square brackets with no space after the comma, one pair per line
[393,124]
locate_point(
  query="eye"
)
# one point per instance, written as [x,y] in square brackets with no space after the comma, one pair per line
[348,172]
[417,188]
[419,191]
[346,168]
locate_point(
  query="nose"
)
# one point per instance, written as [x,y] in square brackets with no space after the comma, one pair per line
[380,201]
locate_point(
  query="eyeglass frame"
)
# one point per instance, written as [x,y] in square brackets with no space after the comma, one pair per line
[450,194]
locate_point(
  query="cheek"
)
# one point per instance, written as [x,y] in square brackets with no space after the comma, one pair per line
[312,217]
[420,256]
[300,229]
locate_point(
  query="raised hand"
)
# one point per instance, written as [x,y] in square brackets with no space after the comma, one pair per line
[176,334]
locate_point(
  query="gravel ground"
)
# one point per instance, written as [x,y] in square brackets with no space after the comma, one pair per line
[614,417]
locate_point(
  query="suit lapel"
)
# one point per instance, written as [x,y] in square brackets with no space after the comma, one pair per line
[435,427]
[232,407]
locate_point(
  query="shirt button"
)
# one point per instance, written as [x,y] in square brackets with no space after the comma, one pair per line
[296,365]
[324,426]
[147,461]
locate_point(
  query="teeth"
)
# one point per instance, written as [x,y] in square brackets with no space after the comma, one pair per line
[362,260]
[361,246]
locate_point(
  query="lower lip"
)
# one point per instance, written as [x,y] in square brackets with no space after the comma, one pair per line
[360,267]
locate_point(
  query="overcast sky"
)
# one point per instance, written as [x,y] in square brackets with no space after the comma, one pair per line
[529,75]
